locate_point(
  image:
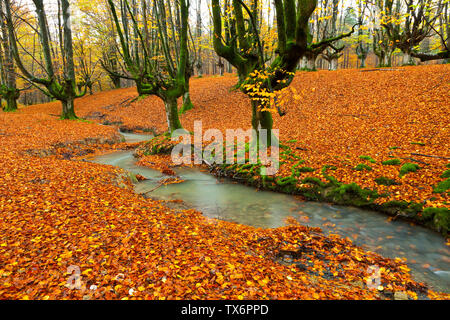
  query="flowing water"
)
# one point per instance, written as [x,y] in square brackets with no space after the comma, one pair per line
[426,252]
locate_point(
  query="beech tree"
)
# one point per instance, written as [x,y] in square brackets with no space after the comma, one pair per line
[244,50]
[157,60]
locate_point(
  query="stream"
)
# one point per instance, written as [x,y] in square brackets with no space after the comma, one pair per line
[427,255]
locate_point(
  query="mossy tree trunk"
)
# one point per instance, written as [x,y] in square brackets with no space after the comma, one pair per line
[68,109]
[8,88]
[168,80]
[171,107]
[187,103]
[10,95]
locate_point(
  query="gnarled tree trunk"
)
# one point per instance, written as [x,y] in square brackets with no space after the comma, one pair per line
[171,107]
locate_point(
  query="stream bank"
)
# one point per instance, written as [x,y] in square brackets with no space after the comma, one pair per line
[425,251]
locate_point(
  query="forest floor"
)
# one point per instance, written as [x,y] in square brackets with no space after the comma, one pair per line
[57,211]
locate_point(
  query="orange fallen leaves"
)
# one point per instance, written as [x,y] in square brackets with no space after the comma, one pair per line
[56,213]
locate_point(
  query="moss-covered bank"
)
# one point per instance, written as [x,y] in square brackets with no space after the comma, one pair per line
[315,189]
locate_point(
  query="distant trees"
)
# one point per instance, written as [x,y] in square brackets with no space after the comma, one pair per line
[426,19]
[57,84]
[142,43]
[403,25]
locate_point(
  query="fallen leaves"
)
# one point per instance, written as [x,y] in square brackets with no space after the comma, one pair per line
[56,213]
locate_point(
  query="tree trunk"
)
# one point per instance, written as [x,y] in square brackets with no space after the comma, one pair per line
[116,82]
[10,97]
[221,66]
[68,110]
[363,61]
[408,59]
[387,59]
[262,120]
[171,106]
[334,64]
[311,64]
[303,63]
[187,103]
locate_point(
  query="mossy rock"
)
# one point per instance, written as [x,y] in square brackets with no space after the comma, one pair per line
[287,184]
[442,186]
[391,162]
[408,167]
[408,209]
[133,177]
[446,174]
[439,218]
[332,180]
[352,194]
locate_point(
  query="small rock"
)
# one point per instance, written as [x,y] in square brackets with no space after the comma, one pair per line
[400,296]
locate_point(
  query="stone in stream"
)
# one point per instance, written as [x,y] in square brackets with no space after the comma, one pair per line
[400,296]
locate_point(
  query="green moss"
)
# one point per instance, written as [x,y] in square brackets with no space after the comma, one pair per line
[408,167]
[352,194]
[295,171]
[330,178]
[314,181]
[439,218]
[368,158]
[306,169]
[442,186]
[362,166]
[446,174]
[418,143]
[386,181]
[410,209]
[391,162]
[328,167]
[287,184]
